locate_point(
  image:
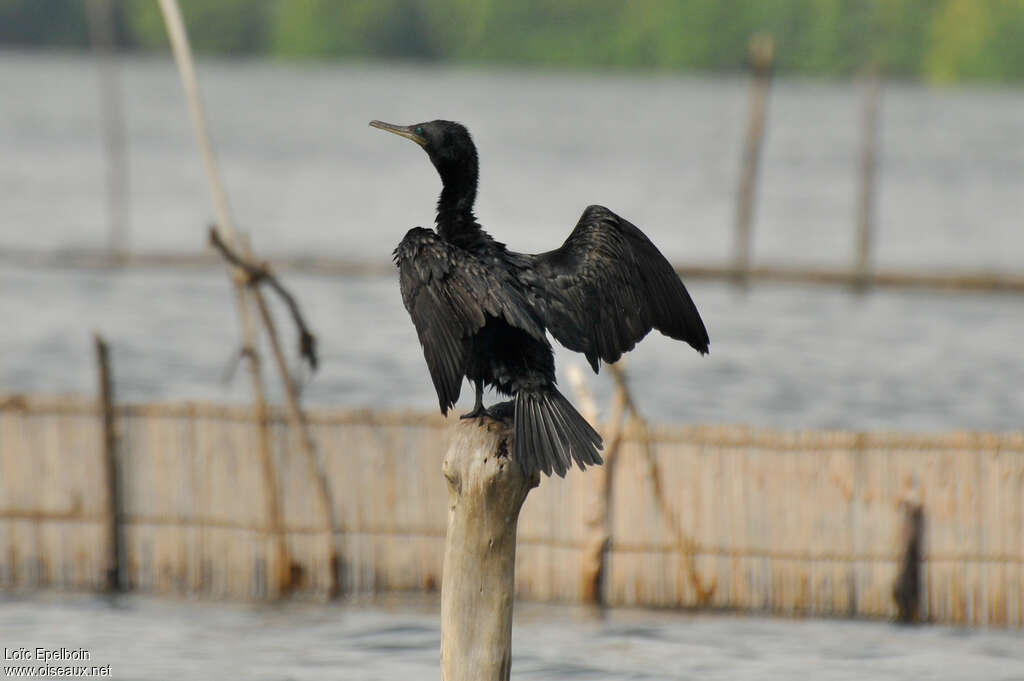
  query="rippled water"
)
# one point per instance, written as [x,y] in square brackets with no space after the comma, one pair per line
[154,640]
[306,174]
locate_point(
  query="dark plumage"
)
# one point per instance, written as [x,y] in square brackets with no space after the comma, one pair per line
[481,311]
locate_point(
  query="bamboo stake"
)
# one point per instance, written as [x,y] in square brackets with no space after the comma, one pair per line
[598,515]
[186,67]
[486,491]
[685,544]
[190,83]
[255,275]
[115,558]
[298,421]
[762,56]
[100,14]
[868,164]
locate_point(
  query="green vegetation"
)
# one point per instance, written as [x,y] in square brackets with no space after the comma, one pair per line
[936,40]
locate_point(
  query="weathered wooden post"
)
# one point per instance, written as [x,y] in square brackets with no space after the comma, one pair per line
[486,490]
[115,557]
[906,592]
[762,60]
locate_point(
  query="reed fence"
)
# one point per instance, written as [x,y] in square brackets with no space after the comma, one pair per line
[749,519]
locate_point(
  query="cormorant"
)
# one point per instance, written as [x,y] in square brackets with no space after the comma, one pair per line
[482,311]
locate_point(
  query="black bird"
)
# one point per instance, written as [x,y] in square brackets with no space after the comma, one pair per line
[481,311]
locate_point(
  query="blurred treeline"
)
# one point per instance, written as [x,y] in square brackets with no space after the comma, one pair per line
[935,40]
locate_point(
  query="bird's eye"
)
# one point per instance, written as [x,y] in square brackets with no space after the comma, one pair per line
[419,131]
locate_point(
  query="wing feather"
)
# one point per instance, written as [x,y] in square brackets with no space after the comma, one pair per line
[449,293]
[608,286]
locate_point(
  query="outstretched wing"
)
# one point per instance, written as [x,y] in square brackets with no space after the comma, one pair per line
[449,294]
[608,286]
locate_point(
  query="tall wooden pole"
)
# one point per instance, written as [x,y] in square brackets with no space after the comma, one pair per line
[244,295]
[486,490]
[868,165]
[598,512]
[762,59]
[100,14]
[253,295]
[316,467]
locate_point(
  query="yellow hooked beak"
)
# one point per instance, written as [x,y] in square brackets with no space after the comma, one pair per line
[405,131]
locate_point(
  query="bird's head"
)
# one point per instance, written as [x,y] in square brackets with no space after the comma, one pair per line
[449,146]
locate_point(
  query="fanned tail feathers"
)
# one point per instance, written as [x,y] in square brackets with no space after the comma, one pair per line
[550,435]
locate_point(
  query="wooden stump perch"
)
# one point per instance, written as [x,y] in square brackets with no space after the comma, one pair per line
[486,490]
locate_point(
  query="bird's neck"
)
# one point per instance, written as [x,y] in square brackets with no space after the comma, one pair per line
[455,219]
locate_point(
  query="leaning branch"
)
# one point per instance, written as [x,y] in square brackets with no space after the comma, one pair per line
[257,273]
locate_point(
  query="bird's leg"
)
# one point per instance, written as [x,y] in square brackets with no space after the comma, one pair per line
[478,407]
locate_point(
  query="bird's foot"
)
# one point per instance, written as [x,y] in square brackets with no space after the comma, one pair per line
[500,411]
[478,411]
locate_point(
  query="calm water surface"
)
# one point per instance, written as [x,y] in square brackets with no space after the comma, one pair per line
[306,174]
[153,640]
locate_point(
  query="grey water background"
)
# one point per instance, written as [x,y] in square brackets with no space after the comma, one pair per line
[147,639]
[306,175]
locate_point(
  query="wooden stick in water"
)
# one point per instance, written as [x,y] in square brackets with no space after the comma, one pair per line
[115,558]
[100,15]
[762,57]
[868,164]
[298,421]
[684,543]
[598,513]
[244,296]
[257,273]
